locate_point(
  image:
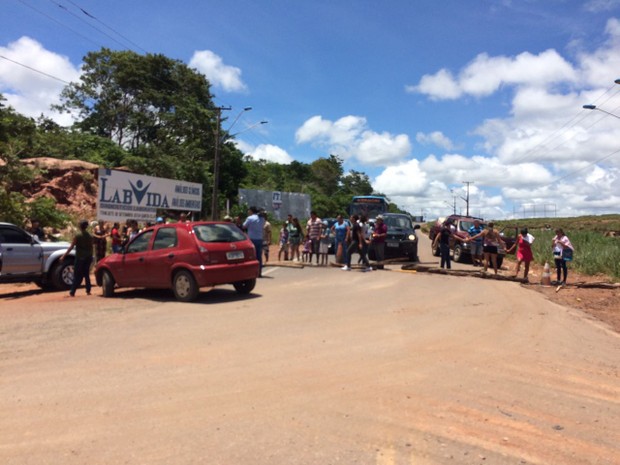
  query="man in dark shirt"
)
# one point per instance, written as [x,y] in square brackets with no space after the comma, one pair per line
[378,240]
[83,243]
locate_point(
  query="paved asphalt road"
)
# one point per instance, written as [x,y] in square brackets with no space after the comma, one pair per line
[318,366]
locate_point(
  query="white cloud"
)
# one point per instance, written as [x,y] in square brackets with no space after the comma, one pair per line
[29,92]
[485,75]
[227,77]
[349,137]
[266,152]
[440,86]
[435,138]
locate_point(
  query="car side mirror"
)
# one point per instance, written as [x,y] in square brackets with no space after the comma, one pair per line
[417,226]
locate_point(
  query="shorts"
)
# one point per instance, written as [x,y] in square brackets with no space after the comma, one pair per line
[476,248]
[294,240]
[490,249]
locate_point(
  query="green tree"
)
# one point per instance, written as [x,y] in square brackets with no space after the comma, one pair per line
[327,174]
[16,138]
[357,183]
[157,109]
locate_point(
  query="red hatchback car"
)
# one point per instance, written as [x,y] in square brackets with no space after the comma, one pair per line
[183,257]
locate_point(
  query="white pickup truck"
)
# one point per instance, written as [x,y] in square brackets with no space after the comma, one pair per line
[23,258]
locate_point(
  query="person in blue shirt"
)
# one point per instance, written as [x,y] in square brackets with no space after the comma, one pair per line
[476,244]
[253,226]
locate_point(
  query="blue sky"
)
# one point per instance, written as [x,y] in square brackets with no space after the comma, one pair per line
[421,95]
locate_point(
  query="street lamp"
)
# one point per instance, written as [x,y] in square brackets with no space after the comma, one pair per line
[216,158]
[594,107]
[246,129]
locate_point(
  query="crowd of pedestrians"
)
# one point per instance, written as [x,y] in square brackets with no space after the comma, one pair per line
[485,245]
[312,244]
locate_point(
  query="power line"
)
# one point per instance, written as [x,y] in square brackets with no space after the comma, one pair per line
[35,70]
[88,14]
[58,22]
[65,9]
[584,167]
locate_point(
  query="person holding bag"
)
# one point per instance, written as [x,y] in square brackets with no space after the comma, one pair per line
[562,253]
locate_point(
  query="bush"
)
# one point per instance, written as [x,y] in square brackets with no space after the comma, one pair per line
[12,207]
[44,209]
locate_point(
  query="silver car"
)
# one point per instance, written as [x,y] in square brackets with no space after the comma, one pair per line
[23,258]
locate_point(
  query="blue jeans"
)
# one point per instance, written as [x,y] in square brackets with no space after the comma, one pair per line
[81,270]
[258,245]
[344,249]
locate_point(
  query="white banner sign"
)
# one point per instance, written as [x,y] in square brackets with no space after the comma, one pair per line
[123,196]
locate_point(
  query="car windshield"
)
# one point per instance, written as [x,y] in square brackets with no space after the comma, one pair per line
[465,225]
[221,232]
[398,222]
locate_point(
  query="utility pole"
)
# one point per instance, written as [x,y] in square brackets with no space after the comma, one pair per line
[466,199]
[216,164]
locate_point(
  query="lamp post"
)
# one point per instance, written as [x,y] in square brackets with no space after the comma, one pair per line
[594,107]
[216,157]
[247,129]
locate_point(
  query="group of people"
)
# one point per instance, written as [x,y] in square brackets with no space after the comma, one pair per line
[348,238]
[485,244]
[314,242]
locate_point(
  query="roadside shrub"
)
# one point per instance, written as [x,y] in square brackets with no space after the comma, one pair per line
[12,208]
[44,209]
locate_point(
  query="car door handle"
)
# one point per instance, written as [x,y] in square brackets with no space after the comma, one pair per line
[9,249]
[141,259]
[170,255]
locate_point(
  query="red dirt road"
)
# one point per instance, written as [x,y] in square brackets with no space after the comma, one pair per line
[319,366]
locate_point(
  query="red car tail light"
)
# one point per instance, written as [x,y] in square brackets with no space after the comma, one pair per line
[204,253]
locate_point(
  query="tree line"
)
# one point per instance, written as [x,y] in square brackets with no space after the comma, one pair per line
[155,116]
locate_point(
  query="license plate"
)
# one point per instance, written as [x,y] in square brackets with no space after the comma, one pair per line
[392,244]
[237,255]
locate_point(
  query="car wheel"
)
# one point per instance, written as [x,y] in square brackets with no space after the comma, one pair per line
[184,286]
[458,254]
[245,287]
[62,275]
[107,284]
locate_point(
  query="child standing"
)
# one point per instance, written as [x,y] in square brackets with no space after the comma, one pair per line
[324,242]
[306,251]
[283,241]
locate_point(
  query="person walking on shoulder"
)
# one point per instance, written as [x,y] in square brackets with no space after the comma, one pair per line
[562,253]
[83,244]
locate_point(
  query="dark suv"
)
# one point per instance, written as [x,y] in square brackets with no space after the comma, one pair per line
[461,251]
[401,239]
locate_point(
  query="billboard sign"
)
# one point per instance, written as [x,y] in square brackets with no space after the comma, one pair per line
[124,196]
[277,204]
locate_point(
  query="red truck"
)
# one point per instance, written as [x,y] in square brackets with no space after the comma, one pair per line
[461,251]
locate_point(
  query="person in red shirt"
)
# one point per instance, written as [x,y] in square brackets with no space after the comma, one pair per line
[117,240]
